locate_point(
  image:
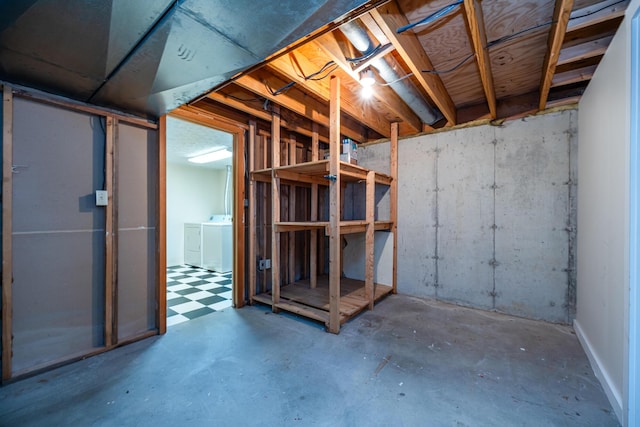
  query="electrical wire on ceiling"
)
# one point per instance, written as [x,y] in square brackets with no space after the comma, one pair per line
[517,34]
[431,18]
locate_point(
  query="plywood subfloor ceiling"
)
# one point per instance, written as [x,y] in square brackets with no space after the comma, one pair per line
[469,60]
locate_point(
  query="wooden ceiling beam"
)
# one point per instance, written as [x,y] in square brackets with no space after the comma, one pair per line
[588,17]
[263,115]
[384,94]
[475,22]
[573,76]
[296,66]
[561,14]
[294,100]
[389,18]
[583,51]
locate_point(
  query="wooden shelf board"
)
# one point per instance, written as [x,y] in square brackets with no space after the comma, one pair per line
[318,170]
[346,227]
[313,303]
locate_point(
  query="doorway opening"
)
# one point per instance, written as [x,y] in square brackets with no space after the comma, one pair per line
[199,212]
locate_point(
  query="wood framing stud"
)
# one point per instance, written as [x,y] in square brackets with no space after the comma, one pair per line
[389,18]
[335,241]
[7,230]
[110,336]
[253,218]
[161,228]
[275,210]
[393,196]
[561,15]
[369,238]
[475,21]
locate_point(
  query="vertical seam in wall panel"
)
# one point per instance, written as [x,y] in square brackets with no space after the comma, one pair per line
[494,226]
[437,223]
[571,229]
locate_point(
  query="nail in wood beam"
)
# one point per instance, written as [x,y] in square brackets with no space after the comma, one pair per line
[335,241]
[561,15]
[475,22]
[7,230]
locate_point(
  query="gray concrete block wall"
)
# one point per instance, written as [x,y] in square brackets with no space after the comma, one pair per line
[486,215]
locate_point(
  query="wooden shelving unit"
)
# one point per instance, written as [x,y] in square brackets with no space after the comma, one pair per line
[330,299]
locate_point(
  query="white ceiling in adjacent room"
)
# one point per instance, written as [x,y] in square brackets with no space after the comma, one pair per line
[186,139]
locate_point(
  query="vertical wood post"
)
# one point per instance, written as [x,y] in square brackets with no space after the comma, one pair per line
[7,230]
[275,209]
[253,219]
[369,290]
[334,207]
[110,336]
[292,148]
[238,212]
[313,253]
[393,196]
[161,227]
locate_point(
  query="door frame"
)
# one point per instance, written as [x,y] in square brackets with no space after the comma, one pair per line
[204,118]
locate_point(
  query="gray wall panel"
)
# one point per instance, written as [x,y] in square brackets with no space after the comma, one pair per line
[465,216]
[416,218]
[136,283]
[58,300]
[525,184]
[58,156]
[532,171]
[137,185]
[58,239]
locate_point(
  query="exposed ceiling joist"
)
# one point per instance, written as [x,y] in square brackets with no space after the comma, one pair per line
[573,76]
[583,51]
[389,18]
[556,37]
[296,67]
[384,94]
[264,115]
[596,14]
[475,21]
[261,82]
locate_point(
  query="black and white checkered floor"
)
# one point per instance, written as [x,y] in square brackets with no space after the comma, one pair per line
[194,292]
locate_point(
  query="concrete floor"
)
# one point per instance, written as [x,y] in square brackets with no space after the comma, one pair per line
[410,362]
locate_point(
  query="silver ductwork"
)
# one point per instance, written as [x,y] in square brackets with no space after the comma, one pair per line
[358,36]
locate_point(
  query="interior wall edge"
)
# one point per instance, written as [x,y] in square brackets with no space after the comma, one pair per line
[600,371]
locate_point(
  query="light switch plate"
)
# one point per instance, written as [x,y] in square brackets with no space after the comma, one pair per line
[102,198]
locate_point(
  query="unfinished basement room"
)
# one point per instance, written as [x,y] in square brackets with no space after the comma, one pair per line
[320,213]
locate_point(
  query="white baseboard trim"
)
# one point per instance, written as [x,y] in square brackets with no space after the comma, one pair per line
[601,373]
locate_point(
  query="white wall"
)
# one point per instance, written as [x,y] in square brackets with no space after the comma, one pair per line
[603,217]
[193,194]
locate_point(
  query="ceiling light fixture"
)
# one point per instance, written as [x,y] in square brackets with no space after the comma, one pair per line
[211,157]
[367,78]
[366,92]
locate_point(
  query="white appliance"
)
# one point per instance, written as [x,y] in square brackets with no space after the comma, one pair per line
[209,244]
[193,244]
[217,246]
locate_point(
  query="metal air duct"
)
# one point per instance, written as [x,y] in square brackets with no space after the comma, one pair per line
[358,36]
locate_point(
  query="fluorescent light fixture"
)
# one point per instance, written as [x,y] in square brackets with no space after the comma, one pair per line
[211,157]
[366,78]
